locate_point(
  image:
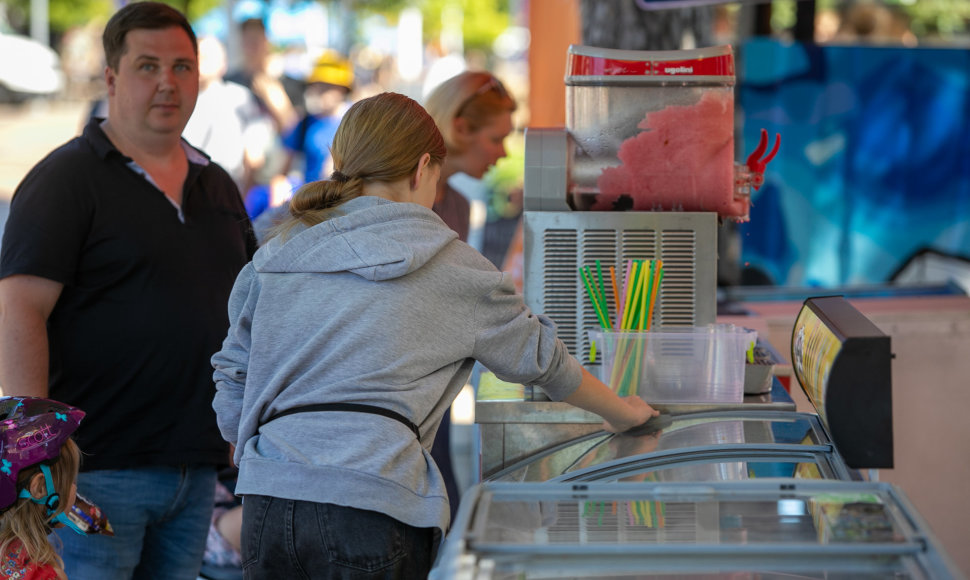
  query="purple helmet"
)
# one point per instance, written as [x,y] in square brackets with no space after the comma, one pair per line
[31,430]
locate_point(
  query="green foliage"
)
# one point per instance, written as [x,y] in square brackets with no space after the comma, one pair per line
[482,22]
[937,17]
[66,14]
[928,19]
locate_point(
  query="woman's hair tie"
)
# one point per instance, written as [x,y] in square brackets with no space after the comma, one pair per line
[339,177]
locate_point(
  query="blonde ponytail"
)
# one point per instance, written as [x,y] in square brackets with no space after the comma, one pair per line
[380,139]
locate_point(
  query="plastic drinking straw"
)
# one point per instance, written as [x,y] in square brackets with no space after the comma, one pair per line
[631,296]
[656,291]
[622,315]
[624,346]
[616,295]
[637,344]
[592,297]
[593,288]
[647,277]
[622,298]
[599,274]
[626,286]
[601,295]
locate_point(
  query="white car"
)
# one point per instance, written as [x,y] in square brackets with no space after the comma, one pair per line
[30,69]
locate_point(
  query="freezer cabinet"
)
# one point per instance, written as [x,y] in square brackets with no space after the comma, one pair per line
[765,530]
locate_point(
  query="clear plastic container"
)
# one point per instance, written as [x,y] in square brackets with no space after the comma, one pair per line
[703,364]
[652,130]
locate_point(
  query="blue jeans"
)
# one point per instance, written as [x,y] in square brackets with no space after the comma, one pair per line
[292,539]
[160,517]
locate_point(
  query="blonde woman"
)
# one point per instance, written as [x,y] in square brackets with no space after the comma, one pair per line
[473,111]
[351,332]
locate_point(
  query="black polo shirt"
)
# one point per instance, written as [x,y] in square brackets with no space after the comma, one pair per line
[144,301]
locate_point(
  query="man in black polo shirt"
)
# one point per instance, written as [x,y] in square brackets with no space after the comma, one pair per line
[117,261]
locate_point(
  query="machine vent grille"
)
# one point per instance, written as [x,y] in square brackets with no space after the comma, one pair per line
[678,291]
[562,285]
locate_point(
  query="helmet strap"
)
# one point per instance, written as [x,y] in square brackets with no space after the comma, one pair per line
[51,501]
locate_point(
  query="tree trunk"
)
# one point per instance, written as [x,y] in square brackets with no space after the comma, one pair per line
[622,24]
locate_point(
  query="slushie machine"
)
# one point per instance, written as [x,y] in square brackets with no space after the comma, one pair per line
[643,170]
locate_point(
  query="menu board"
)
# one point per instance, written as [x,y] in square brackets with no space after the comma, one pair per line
[843,363]
[814,351]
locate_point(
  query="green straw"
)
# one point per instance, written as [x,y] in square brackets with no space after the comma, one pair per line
[592,297]
[602,289]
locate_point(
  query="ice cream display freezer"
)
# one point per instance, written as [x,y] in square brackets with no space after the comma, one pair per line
[778,529]
[717,493]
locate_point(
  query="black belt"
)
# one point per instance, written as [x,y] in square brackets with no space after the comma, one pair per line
[353,407]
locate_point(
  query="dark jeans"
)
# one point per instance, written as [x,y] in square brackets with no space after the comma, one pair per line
[284,538]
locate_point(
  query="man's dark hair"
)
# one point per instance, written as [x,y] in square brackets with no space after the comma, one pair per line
[145,16]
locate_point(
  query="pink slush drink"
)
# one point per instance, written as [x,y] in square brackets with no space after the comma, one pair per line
[683,160]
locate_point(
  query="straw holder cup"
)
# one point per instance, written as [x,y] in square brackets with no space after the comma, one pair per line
[703,364]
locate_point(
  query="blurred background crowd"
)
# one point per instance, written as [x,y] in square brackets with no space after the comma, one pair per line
[277,74]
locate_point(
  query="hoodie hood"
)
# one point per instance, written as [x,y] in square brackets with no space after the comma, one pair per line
[371,237]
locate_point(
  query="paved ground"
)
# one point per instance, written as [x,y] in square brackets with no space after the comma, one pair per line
[27,133]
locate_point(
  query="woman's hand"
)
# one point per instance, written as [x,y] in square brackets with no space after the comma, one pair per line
[641,412]
[618,413]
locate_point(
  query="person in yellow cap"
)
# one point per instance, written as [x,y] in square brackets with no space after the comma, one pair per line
[327,88]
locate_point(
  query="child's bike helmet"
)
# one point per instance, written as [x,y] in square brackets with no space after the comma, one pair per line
[32,430]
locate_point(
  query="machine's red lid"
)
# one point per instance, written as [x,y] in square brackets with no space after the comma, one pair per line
[586,64]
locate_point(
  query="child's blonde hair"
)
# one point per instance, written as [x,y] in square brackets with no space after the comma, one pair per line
[28,521]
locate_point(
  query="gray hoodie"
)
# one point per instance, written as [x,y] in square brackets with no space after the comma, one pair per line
[380,305]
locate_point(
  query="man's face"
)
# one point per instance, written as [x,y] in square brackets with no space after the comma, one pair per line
[157,82]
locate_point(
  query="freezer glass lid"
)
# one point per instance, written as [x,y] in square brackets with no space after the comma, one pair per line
[778,529]
[736,437]
[735,514]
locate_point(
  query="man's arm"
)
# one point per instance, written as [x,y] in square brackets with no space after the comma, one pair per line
[25,304]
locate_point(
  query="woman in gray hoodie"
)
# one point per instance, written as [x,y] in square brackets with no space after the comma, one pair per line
[352,330]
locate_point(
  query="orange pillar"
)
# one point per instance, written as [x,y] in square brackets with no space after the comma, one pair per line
[553,25]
